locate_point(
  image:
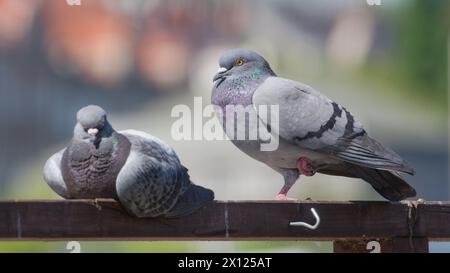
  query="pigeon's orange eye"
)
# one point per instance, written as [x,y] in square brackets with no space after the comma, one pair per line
[240,61]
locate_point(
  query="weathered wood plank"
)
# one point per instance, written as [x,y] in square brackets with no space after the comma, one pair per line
[410,245]
[384,245]
[363,246]
[432,218]
[231,220]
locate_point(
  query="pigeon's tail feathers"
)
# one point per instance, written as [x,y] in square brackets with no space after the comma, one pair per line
[366,151]
[191,200]
[387,183]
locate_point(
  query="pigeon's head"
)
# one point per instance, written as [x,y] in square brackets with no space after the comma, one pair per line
[92,124]
[240,62]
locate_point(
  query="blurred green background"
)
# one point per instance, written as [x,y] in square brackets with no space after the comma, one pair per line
[137,59]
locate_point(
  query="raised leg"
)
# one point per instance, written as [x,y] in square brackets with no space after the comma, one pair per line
[290,177]
[304,166]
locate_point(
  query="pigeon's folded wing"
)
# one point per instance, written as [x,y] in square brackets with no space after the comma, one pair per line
[152,178]
[53,175]
[313,121]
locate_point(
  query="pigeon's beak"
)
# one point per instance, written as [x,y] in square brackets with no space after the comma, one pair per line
[94,136]
[220,74]
[92,132]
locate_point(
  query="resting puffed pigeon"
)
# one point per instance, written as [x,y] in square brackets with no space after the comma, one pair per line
[138,169]
[315,133]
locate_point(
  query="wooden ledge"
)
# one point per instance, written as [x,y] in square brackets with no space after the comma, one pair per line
[224,220]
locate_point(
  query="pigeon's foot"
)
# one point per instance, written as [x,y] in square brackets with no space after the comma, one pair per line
[283,197]
[304,166]
[413,203]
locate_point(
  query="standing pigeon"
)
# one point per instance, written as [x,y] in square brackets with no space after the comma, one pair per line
[315,133]
[138,169]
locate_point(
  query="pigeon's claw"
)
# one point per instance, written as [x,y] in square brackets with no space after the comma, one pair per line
[414,203]
[283,197]
[304,166]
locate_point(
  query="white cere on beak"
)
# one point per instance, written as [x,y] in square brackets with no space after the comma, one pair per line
[221,70]
[92,131]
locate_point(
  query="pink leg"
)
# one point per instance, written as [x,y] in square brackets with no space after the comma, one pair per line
[283,192]
[304,166]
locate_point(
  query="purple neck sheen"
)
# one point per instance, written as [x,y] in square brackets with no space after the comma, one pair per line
[237,90]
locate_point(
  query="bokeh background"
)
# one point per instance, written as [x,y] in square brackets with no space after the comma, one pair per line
[137,59]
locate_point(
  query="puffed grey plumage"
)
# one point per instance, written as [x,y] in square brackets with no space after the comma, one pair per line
[138,169]
[309,125]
